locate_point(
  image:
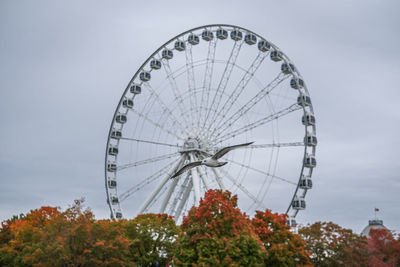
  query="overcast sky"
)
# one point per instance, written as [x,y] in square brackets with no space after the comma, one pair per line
[64,66]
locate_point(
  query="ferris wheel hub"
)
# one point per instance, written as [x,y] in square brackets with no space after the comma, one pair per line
[196,144]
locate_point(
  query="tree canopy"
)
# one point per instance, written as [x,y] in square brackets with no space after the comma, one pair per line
[283,247]
[217,233]
[49,237]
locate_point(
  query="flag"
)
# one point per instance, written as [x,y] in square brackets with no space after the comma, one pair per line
[376,209]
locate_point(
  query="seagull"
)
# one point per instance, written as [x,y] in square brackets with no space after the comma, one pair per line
[210,161]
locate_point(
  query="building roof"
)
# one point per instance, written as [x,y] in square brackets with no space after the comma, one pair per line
[373,224]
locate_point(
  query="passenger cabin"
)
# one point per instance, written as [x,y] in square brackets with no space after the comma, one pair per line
[299,203]
[155,64]
[136,89]
[112,183]
[310,161]
[236,35]
[167,54]
[250,39]
[222,34]
[116,134]
[120,118]
[207,35]
[263,46]
[179,45]
[287,68]
[296,83]
[275,56]
[303,100]
[111,166]
[127,103]
[113,150]
[118,215]
[310,139]
[114,200]
[308,119]
[145,76]
[305,182]
[291,221]
[193,39]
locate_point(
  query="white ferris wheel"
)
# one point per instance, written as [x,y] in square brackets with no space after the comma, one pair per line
[207,88]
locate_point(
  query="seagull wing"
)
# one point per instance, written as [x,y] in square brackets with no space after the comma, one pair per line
[186,167]
[220,153]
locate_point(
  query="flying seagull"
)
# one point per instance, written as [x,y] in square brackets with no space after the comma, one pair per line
[211,161]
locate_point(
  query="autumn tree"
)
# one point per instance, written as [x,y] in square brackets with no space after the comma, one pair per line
[283,247]
[383,249]
[49,237]
[217,233]
[332,245]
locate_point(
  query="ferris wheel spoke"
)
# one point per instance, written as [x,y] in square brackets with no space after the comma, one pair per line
[191,80]
[147,161]
[184,199]
[179,194]
[196,182]
[165,108]
[224,81]
[218,179]
[149,142]
[157,190]
[176,91]
[291,144]
[252,102]
[155,123]
[248,75]
[257,123]
[144,182]
[171,189]
[205,92]
[275,164]
[202,175]
[243,189]
[156,198]
[262,172]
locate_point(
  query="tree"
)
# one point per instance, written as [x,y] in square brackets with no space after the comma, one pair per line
[383,249]
[283,247]
[48,237]
[217,233]
[151,238]
[332,245]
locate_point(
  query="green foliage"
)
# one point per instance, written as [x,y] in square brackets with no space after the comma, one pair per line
[152,238]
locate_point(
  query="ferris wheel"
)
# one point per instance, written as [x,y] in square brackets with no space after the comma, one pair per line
[207,88]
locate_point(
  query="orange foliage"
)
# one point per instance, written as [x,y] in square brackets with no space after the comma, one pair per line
[283,247]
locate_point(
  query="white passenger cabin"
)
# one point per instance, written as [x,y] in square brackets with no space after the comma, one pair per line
[263,46]
[250,39]
[207,35]
[136,89]
[310,161]
[299,203]
[236,35]
[222,34]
